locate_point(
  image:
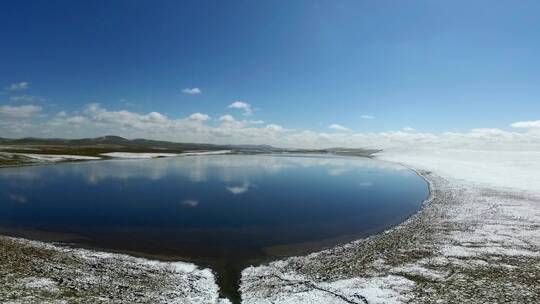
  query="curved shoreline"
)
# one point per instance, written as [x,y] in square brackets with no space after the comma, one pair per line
[40,271]
[48,246]
[462,245]
[311,270]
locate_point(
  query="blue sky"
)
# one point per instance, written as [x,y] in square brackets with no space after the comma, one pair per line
[304,65]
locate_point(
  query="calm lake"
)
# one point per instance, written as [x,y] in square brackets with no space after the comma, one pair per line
[221,211]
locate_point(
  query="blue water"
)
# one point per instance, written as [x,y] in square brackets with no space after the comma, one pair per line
[219,209]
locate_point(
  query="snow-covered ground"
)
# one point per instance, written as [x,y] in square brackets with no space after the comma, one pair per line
[47,273]
[55,157]
[136,155]
[155,155]
[477,240]
[217,152]
[32,158]
[495,168]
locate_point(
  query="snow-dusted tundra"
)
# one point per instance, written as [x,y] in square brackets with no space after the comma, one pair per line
[476,240]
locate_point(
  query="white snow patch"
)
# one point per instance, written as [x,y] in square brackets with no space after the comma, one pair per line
[40,283]
[57,158]
[155,155]
[136,155]
[194,284]
[294,288]
[218,152]
[506,169]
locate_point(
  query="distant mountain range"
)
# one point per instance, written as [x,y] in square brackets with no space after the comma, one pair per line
[112,141]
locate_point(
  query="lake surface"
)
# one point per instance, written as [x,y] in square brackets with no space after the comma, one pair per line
[221,211]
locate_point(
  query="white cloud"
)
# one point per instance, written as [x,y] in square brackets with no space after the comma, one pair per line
[338,127]
[192,91]
[24,111]
[19,86]
[408,129]
[227,119]
[125,118]
[199,117]
[243,106]
[365,116]
[526,124]
[255,122]
[94,120]
[155,117]
[62,120]
[190,203]
[274,127]
[76,119]
[239,189]
[338,171]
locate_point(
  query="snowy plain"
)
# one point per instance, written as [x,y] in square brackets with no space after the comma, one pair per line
[496,168]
